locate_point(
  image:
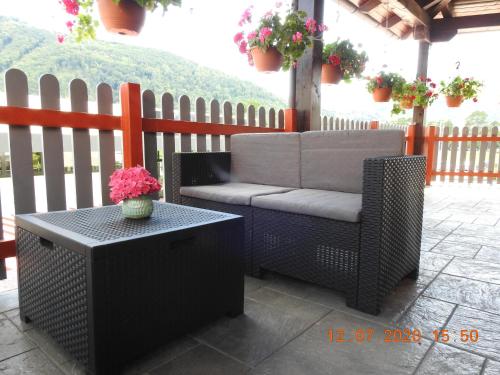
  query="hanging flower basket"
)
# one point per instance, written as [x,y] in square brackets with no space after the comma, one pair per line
[267,61]
[341,61]
[381,86]
[124,18]
[278,40]
[454,101]
[331,74]
[407,103]
[382,94]
[460,89]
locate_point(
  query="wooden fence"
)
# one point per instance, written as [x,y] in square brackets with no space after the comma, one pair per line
[463,155]
[337,123]
[140,128]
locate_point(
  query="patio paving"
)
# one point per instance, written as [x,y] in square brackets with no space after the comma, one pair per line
[287,323]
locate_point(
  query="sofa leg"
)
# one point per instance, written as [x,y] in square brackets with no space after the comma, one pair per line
[414,274]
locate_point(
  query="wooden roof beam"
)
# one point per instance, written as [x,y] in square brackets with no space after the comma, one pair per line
[369,5]
[442,6]
[391,21]
[444,29]
[416,11]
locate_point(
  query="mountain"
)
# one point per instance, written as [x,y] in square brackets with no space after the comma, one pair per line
[37,52]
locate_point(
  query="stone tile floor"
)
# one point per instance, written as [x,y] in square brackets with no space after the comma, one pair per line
[285,329]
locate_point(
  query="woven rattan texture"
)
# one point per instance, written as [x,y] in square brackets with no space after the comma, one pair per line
[203,168]
[393,195]
[245,211]
[149,295]
[314,249]
[107,223]
[53,292]
[3,269]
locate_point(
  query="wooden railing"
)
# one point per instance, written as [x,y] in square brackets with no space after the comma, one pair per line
[140,130]
[466,155]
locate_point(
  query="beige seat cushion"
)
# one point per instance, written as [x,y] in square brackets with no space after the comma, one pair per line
[268,159]
[333,160]
[231,192]
[321,203]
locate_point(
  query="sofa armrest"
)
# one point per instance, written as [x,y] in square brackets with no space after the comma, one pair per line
[199,168]
[391,225]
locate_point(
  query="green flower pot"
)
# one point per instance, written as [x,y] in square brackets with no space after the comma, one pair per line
[137,208]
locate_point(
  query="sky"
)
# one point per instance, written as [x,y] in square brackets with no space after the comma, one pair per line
[202,31]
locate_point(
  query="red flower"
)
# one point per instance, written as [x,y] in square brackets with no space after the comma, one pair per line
[421,78]
[72,7]
[60,38]
[413,88]
[433,85]
[474,100]
[243,46]
[428,94]
[429,80]
[334,60]
[379,81]
[131,183]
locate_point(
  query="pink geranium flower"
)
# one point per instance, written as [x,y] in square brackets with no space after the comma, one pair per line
[246,16]
[297,37]
[131,183]
[238,37]
[243,46]
[71,6]
[311,25]
[60,38]
[252,35]
[264,33]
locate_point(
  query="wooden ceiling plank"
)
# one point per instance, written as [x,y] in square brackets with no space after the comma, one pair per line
[444,29]
[391,21]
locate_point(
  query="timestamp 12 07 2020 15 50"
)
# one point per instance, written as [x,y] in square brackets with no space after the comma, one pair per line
[399,335]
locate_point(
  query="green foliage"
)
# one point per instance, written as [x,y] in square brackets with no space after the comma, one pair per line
[419,93]
[383,80]
[36,52]
[468,88]
[352,63]
[477,118]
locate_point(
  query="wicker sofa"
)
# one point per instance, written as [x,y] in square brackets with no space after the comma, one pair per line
[342,209]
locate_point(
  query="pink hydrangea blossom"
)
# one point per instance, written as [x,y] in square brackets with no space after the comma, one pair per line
[131,183]
[311,25]
[246,16]
[238,37]
[252,35]
[264,33]
[243,46]
[297,37]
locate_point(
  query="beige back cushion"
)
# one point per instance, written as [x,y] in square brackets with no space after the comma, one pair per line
[333,160]
[269,159]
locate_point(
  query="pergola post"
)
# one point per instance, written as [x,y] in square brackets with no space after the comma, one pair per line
[419,112]
[305,88]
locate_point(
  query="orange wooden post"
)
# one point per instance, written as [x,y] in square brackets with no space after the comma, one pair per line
[429,145]
[374,125]
[290,120]
[131,124]
[410,139]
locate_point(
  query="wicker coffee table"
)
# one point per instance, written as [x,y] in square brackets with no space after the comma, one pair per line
[110,289]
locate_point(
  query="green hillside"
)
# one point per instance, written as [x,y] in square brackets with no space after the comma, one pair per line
[36,52]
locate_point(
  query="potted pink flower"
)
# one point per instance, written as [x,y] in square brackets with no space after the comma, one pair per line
[278,40]
[133,187]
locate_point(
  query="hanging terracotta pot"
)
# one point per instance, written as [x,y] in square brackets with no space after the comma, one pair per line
[268,61]
[331,74]
[126,17]
[406,103]
[454,101]
[382,94]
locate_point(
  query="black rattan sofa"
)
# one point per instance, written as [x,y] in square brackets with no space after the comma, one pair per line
[342,209]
